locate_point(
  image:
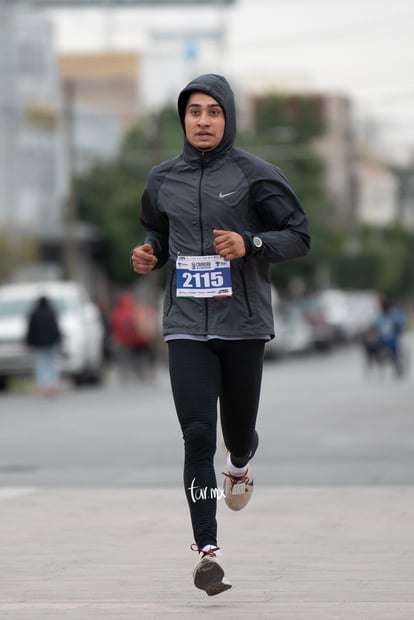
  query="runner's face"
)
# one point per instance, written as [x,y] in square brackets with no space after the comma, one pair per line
[204,122]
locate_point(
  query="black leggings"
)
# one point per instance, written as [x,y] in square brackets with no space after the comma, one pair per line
[201,373]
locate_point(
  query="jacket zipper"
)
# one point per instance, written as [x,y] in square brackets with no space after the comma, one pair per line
[199,207]
[170,305]
[200,223]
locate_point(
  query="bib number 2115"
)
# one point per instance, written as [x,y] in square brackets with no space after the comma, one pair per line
[203,276]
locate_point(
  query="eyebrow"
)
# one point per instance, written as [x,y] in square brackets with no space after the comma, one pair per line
[199,105]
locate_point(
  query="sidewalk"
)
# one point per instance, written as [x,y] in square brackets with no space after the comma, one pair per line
[292,554]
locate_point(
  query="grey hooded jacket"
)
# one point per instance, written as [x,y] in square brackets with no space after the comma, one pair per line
[186,197]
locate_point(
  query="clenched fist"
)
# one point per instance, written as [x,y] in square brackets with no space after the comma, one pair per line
[229,244]
[143,259]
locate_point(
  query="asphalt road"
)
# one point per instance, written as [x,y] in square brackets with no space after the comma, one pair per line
[93,524]
[322,422]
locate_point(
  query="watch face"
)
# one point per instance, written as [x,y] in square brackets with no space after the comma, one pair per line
[257,242]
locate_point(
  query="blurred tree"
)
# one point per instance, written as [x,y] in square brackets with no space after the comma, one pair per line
[284,130]
[383,262]
[108,197]
[5,266]
[109,194]
[288,118]
[16,253]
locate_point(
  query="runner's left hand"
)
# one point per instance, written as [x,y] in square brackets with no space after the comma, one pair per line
[229,244]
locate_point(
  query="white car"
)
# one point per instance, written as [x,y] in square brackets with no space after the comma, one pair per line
[79,320]
[275,348]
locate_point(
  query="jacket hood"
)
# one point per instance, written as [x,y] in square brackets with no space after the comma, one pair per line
[215,86]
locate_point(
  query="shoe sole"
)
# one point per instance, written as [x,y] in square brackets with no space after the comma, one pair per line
[238,502]
[208,576]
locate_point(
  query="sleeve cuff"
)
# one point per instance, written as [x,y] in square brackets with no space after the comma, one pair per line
[248,243]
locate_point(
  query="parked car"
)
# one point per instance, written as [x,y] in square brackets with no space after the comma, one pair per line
[275,348]
[293,334]
[298,336]
[329,314]
[79,320]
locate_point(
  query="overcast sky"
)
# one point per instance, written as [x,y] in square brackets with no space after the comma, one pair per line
[360,48]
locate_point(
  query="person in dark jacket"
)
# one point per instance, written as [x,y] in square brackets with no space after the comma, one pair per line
[216,216]
[43,337]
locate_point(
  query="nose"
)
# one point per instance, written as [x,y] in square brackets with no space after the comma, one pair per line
[204,118]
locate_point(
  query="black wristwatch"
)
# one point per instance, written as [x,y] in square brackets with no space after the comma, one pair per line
[257,244]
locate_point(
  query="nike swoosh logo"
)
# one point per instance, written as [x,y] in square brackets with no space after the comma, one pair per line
[221,195]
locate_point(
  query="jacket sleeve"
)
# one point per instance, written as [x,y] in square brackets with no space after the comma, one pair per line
[155,223]
[285,232]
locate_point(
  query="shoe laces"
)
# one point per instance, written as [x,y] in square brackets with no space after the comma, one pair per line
[236,479]
[210,553]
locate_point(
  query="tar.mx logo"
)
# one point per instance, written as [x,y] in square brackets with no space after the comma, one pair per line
[198,492]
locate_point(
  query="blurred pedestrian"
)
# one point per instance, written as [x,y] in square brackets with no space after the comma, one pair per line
[383,339]
[43,336]
[133,331]
[217,216]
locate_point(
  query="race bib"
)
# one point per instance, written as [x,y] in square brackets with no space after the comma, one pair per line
[203,276]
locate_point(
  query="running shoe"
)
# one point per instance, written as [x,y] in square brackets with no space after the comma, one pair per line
[238,489]
[208,574]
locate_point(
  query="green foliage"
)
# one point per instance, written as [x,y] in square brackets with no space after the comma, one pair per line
[296,119]
[357,272]
[5,266]
[109,195]
[383,262]
[15,253]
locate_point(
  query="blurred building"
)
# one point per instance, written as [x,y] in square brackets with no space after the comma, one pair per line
[104,81]
[174,56]
[95,135]
[32,151]
[405,177]
[337,148]
[37,151]
[363,186]
[332,139]
[377,191]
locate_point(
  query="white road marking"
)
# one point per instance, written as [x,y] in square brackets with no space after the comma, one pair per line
[11,492]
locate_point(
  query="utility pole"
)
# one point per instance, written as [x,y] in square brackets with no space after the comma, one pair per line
[70,215]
